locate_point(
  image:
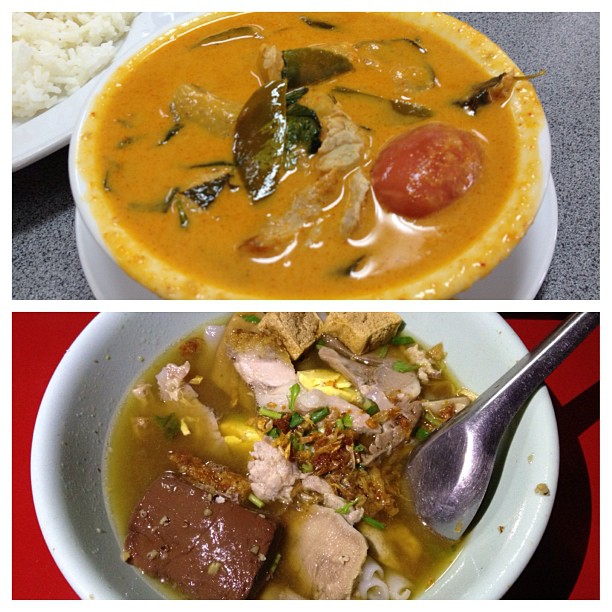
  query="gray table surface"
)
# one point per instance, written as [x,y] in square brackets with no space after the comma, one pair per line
[45,258]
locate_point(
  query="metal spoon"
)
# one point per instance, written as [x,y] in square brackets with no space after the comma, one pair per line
[449,473]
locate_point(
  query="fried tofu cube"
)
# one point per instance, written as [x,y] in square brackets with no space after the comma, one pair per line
[362,331]
[296,331]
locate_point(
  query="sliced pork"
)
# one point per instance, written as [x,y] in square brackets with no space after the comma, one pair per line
[394,431]
[270,63]
[264,365]
[271,474]
[267,368]
[343,148]
[343,144]
[357,189]
[330,499]
[172,385]
[427,366]
[379,382]
[328,550]
[309,401]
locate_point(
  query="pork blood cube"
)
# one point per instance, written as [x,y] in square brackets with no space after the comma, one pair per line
[207,546]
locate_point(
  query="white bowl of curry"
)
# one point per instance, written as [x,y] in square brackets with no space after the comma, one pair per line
[337,155]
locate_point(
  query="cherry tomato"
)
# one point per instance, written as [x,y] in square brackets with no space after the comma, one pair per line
[426,169]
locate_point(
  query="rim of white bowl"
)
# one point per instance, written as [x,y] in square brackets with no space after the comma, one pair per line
[47,489]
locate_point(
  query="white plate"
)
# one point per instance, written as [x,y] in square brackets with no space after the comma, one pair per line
[69,444]
[45,133]
[521,275]
[517,278]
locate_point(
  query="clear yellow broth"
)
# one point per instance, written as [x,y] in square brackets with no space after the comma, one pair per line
[135,458]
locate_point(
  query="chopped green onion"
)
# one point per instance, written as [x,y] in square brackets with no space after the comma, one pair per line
[275,563]
[306,467]
[319,415]
[320,343]
[347,420]
[296,419]
[294,391]
[399,340]
[273,414]
[382,351]
[255,500]
[295,444]
[372,408]
[274,433]
[347,507]
[374,523]
[359,448]
[251,318]
[421,434]
[339,425]
[404,366]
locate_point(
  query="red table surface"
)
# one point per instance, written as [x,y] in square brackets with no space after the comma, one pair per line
[565,565]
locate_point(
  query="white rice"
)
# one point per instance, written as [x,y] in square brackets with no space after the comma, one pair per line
[54,54]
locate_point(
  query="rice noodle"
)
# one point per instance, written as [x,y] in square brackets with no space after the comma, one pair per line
[378,583]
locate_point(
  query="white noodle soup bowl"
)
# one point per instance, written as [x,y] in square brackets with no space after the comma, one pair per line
[71,437]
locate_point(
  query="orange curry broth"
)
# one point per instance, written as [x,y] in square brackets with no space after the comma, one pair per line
[207,250]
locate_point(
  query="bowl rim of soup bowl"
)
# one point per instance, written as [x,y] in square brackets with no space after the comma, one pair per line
[71,436]
[474,262]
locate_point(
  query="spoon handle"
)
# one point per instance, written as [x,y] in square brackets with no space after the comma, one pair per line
[449,473]
[505,398]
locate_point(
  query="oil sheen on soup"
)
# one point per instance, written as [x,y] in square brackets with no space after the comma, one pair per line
[224,417]
[247,155]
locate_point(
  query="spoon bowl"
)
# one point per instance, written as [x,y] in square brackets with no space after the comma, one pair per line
[448,475]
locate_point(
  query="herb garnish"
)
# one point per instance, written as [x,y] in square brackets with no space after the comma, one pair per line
[399,340]
[172,132]
[206,193]
[170,424]
[250,318]
[374,523]
[294,391]
[315,23]
[404,366]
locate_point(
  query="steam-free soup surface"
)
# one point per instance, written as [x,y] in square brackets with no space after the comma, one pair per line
[139,448]
[141,155]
